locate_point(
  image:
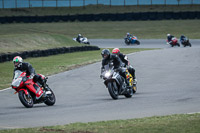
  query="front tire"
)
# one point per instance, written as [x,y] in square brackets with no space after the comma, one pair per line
[26,100]
[50,99]
[113,91]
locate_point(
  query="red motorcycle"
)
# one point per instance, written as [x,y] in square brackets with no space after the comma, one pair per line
[30,92]
[174,42]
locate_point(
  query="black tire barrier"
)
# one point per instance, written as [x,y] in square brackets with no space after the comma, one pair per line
[102,17]
[47,52]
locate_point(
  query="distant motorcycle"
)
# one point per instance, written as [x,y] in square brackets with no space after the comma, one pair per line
[174,42]
[131,40]
[185,42]
[30,92]
[116,83]
[83,40]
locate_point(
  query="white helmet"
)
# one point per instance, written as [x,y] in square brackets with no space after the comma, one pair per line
[168,35]
[17,60]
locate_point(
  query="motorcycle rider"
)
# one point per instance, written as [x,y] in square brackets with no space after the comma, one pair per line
[117,63]
[128,35]
[169,38]
[183,38]
[30,71]
[124,59]
[78,38]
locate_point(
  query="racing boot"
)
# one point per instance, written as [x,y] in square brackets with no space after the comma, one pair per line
[45,86]
[134,80]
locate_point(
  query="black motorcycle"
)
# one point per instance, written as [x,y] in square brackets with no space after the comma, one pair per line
[185,42]
[116,83]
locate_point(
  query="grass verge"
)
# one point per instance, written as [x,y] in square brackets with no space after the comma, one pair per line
[182,123]
[33,41]
[19,37]
[55,64]
[107,29]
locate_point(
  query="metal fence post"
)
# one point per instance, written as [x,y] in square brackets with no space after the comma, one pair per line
[3,4]
[15,3]
[56,3]
[97,3]
[178,2]
[42,3]
[70,3]
[110,3]
[83,3]
[137,2]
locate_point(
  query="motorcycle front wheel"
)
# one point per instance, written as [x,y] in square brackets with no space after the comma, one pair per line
[113,91]
[26,100]
[50,99]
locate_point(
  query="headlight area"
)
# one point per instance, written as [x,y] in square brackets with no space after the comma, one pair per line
[107,74]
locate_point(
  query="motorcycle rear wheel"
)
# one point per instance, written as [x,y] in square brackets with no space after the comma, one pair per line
[113,91]
[129,94]
[137,42]
[26,100]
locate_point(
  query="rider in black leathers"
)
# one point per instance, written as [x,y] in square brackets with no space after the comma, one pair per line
[30,71]
[183,39]
[125,61]
[117,63]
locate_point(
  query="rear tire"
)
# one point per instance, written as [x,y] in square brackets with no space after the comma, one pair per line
[113,91]
[137,42]
[129,94]
[26,100]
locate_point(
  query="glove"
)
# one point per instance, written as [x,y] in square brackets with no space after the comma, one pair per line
[101,76]
[31,76]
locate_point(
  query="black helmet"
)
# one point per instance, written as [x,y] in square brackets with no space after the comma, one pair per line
[105,53]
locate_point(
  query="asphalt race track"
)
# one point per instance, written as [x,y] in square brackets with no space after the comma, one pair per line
[168,83]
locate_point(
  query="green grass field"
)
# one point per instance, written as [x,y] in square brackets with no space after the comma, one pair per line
[184,123]
[19,37]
